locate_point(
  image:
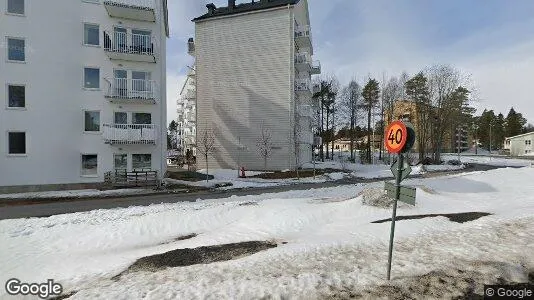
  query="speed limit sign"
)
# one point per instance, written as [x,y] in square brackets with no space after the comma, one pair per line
[395,137]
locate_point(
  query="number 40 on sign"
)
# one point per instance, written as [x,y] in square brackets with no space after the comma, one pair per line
[396,137]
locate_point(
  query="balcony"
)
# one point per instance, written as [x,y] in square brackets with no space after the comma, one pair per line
[303,37]
[131,91]
[129,46]
[303,87]
[130,134]
[315,67]
[305,111]
[191,47]
[316,88]
[305,138]
[303,62]
[139,10]
[189,95]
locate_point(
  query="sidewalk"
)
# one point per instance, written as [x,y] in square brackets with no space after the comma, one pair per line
[71,195]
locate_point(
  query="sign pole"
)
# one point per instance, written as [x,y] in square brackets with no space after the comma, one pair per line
[397,196]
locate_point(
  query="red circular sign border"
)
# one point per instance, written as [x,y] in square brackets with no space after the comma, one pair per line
[404,136]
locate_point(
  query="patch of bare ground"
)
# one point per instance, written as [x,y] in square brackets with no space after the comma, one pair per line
[449,284]
[199,255]
[456,217]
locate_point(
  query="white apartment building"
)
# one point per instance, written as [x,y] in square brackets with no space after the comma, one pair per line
[83,85]
[520,145]
[253,74]
[187,115]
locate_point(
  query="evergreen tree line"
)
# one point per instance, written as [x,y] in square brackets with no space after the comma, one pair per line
[491,129]
[441,105]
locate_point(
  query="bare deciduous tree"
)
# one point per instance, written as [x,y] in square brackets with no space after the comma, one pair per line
[264,145]
[443,81]
[206,146]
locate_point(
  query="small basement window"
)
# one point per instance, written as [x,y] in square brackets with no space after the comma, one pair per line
[17,142]
[89,165]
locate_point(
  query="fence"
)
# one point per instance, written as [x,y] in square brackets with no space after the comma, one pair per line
[138,178]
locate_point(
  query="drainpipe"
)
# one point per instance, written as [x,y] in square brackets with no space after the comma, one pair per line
[291,85]
[163,91]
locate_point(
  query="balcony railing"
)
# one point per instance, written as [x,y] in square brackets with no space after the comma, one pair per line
[302,58]
[130,134]
[302,31]
[140,10]
[303,62]
[189,95]
[303,85]
[316,67]
[305,138]
[303,36]
[316,88]
[191,47]
[305,111]
[129,46]
[132,90]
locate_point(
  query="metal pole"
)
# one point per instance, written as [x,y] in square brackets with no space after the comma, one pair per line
[490,139]
[458,141]
[397,196]
[313,158]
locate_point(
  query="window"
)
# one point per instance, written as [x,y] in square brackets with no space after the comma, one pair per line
[141,118]
[141,41]
[15,49]
[528,142]
[15,7]
[16,96]
[91,34]
[121,118]
[121,161]
[120,39]
[91,78]
[140,81]
[17,142]
[89,165]
[92,121]
[141,162]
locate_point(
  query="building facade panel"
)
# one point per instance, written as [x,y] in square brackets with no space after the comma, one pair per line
[57,96]
[244,82]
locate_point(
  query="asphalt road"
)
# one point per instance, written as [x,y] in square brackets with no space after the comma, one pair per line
[71,206]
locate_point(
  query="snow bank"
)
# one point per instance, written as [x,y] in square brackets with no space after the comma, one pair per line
[489,160]
[331,243]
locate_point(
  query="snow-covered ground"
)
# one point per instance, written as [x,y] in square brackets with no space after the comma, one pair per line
[490,160]
[332,246]
[378,170]
[223,176]
[74,194]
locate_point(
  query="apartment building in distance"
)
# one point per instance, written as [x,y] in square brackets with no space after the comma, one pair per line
[520,145]
[187,115]
[455,138]
[253,74]
[83,89]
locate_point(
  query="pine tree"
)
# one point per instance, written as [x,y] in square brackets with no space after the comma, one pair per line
[370,94]
[417,90]
[514,123]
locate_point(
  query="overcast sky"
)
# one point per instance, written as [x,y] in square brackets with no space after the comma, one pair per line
[492,40]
